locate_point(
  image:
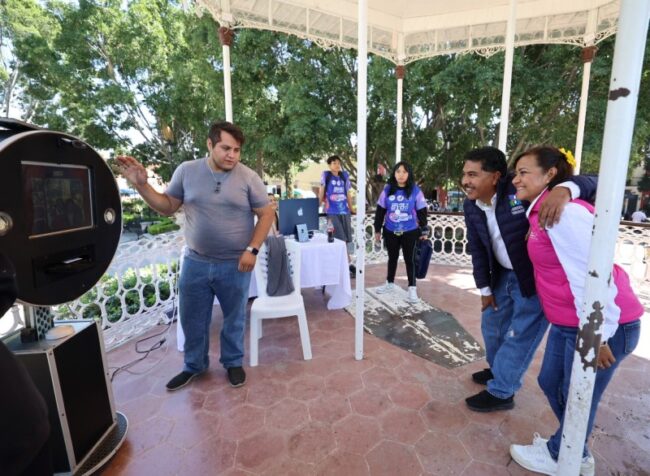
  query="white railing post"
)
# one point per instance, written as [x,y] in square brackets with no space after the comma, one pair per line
[507,76]
[399,73]
[588,53]
[226,36]
[617,142]
[362,92]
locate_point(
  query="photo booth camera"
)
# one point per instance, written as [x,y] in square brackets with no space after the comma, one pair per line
[60,224]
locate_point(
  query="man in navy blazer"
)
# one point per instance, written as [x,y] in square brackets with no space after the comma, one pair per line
[512,322]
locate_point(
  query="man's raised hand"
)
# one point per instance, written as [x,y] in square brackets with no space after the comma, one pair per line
[132,170]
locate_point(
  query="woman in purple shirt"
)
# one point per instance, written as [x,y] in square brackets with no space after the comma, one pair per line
[402,210]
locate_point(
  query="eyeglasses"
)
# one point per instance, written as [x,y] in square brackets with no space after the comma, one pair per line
[217,189]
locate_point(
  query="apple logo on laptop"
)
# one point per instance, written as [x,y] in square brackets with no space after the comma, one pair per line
[300,212]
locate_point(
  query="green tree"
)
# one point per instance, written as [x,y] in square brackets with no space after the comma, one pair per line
[116,76]
[24,30]
[116,73]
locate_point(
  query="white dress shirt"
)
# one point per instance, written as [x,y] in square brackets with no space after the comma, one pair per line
[496,240]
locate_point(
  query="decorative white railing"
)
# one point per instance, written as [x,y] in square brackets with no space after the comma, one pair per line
[446,230]
[138,290]
[632,253]
[136,293]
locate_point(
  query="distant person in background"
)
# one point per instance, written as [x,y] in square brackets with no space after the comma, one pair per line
[58,220]
[276,222]
[402,214]
[335,194]
[39,223]
[73,213]
[639,216]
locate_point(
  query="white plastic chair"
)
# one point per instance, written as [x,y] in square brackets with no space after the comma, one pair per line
[271,307]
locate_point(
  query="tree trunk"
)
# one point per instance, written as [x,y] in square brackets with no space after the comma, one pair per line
[9,88]
[288,183]
[259,165]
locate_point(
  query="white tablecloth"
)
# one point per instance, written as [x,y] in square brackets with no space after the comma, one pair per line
[322,264]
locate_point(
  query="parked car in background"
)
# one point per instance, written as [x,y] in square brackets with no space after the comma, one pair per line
[433,205]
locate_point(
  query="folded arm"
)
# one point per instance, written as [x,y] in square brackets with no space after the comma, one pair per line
[578,186]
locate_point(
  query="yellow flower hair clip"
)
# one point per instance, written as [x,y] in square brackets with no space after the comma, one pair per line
[568,156]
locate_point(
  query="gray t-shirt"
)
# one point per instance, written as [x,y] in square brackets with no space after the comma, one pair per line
[218,225]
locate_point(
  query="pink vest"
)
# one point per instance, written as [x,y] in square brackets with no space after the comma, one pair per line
[553,285]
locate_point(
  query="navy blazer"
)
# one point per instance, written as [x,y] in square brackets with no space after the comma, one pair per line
[513,225]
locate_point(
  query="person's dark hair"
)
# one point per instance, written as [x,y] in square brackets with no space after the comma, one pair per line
[332,159]
[392,181]
[215,132]
[491,159]
[548,157]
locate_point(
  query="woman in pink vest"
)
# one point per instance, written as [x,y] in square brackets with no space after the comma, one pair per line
[560,257]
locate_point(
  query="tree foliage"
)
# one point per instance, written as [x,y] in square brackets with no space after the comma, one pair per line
[117,72]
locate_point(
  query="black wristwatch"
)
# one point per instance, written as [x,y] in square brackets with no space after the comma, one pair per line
[250,249]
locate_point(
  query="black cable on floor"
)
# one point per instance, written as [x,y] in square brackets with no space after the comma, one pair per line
[146,352]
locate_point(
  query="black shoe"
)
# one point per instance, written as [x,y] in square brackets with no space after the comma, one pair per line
[236,376]
[486,402]
[180,380]
[483,376]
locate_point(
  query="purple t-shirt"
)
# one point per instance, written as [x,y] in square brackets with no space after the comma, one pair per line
[336,193]
[401,211]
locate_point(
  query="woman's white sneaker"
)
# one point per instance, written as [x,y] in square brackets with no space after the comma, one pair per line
[386,288]
[413,294]
[534,457]
[587,466]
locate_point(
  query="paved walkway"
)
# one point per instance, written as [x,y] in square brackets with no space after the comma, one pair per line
[391,414]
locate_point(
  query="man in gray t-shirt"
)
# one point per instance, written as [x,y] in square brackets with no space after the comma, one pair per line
[220,196]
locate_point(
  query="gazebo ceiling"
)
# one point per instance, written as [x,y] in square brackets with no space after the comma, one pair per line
[408,30]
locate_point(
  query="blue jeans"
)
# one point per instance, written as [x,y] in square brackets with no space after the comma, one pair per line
[199,283]
[555,375]
[511,334]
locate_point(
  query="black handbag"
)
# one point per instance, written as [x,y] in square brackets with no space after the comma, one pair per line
[422,257]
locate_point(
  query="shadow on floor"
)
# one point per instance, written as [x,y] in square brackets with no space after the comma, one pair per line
[392,413]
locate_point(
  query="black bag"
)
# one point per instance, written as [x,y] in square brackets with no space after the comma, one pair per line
[422,257]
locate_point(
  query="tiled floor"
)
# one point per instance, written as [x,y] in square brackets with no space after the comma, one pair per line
[390,414]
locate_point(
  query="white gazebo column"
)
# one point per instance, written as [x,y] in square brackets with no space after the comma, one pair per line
[362,93]
[615,154]
[588,54]
[226,35]
[399,73]
[507,76]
